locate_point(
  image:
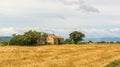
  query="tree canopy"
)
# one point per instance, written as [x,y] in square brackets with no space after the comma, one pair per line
[76,36]
[28,38]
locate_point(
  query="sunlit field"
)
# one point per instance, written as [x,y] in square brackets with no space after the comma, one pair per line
[59,55]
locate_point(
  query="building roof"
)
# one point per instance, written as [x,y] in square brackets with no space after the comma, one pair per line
[54,36]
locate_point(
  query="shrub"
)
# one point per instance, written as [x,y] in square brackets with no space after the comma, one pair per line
[3,43]
[67,41]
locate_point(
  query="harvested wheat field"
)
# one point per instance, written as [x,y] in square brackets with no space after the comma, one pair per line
[59,55]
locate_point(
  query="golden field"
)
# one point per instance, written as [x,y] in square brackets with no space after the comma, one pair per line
[59,55]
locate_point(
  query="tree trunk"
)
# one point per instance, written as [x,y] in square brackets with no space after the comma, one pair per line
[75,42]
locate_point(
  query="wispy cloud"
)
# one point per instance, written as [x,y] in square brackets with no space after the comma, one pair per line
[81,5]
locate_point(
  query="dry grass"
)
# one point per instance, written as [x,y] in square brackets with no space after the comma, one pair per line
[59,56]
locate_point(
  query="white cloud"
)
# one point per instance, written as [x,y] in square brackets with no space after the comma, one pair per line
[90,33]
[44,15]
[81,5]
[23,7]
[106,7]
[7,31]
[114,32]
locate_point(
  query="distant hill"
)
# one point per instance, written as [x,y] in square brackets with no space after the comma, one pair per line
[4,38]
[7,38]
[103,39]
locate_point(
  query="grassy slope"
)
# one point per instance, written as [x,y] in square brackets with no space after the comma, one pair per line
[59,56]
[115,63]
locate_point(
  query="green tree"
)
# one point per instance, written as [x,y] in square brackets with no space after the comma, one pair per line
[16,40]
[44,37]
[31,37]
[28,38]
[76,36]
[90,41]
[67,41]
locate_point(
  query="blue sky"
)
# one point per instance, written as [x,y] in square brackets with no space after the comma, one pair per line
[95,18]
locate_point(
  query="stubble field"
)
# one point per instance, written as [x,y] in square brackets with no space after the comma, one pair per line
[59,55]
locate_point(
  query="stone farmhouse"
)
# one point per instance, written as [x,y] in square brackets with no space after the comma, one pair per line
[53,39]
